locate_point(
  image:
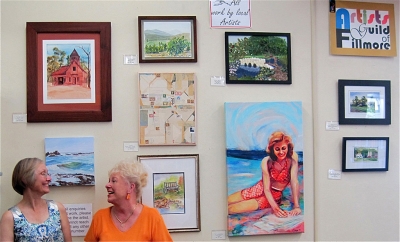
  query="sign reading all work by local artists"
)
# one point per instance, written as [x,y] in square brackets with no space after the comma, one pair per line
[80,218]
[230,14]
[361,28]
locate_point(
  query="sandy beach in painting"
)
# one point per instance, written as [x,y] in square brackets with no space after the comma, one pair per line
[68,92]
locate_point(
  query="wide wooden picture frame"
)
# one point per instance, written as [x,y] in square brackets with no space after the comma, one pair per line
[68,71]
[257,58]
[365,154]
[364,102]
[164,39]
[173,188]
[363,29]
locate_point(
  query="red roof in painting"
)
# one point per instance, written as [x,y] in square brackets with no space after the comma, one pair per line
[60,71]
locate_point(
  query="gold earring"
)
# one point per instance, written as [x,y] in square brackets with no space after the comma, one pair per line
[128,196]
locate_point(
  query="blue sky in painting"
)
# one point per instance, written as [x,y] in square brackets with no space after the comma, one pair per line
[69,45]
[169,26]
[76,144]
[249,125]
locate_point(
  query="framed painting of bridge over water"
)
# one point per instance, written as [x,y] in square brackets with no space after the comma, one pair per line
[257,58]
[173,189]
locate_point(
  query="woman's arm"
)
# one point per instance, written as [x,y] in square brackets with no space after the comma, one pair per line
[7,227]
[294,184]
[267,191]
[65,227]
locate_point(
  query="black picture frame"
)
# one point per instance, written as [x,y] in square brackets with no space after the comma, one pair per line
[365,154]
[257,58]
[157,33]
[364,102]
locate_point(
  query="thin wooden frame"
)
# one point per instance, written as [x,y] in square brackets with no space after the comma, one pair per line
[365,154]
[173,188]
[257,58]
[363,29]
[165,39]
[96,110]
[364,102]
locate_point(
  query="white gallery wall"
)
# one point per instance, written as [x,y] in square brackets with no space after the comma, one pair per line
[361,206]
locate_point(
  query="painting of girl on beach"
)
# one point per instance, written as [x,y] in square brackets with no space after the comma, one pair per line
[264,150]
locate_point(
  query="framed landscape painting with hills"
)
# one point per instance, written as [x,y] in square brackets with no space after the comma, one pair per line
[167,39]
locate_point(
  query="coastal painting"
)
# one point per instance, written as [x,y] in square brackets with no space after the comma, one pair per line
[256,135]
[70,161]
[169,192]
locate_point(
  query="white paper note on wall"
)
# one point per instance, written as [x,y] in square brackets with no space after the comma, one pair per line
[80,218]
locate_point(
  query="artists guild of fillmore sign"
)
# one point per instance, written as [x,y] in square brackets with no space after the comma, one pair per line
[363,30]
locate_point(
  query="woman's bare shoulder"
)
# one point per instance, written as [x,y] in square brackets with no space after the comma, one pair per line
[7,218]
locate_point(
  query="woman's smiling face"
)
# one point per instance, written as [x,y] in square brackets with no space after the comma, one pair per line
[281,150]
[117,188]
[42,180]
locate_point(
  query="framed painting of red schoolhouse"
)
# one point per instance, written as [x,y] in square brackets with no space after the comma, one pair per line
[68,71]
[363,29]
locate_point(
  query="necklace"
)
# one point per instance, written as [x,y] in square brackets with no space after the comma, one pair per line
[126,220]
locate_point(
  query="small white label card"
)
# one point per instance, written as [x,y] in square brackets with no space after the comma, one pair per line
[335,175]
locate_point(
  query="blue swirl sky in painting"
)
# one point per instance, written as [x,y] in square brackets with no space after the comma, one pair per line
[249,125]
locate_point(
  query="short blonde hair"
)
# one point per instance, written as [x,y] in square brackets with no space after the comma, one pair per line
[24,174]
[134,172]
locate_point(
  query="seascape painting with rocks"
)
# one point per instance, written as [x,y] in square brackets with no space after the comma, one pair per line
[70,161]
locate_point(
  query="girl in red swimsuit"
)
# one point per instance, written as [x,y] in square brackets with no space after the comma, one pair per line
[278,170]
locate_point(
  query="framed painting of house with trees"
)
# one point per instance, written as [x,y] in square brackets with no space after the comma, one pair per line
[257,58]
[68,72]
[364,102]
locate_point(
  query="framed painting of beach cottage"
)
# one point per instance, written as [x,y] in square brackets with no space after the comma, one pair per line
[364,102]
[365,154]
[70,161]
[362,29]
[167,109]
[167,39]
[264,139]
[257,58]
[173,188]
[68,71]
